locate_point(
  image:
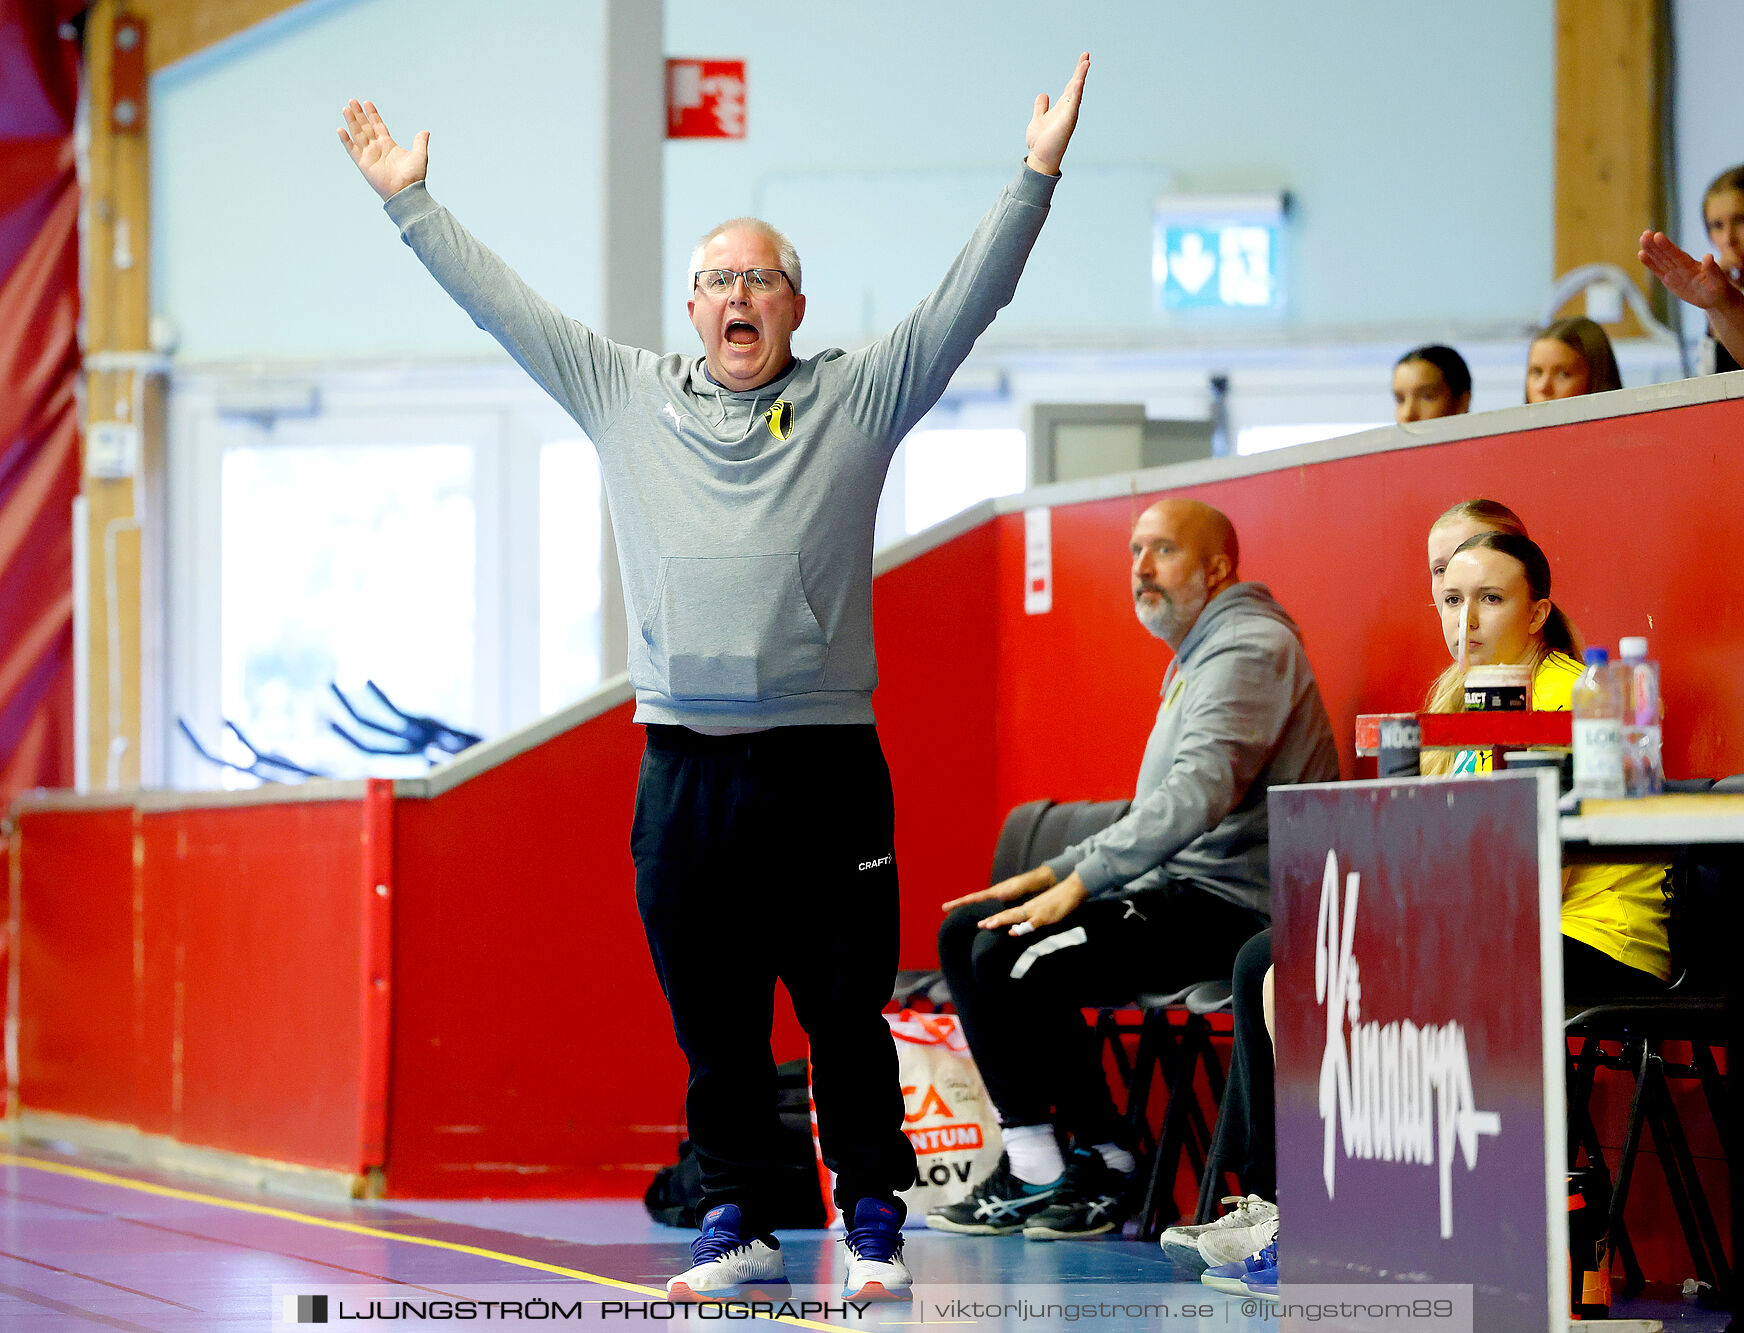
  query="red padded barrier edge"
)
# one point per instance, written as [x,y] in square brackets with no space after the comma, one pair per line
[194,973]
[377,976]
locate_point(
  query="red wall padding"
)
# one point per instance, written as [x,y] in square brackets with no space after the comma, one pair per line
[39,362]
[196,974]
[78,1028]
[940,673]
[532,1053]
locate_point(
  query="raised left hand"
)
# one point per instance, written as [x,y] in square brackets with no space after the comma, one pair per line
[1050,129]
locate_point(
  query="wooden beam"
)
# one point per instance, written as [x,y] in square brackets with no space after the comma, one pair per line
[117,287]
[181,28]
[1609,98]
[124,531]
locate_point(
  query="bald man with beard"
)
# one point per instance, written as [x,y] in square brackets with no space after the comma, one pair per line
[1160,899]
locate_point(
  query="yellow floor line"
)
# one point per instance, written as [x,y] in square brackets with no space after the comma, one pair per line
[353,1228]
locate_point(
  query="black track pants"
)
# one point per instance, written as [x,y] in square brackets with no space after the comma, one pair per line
[1021,999]
[762,857]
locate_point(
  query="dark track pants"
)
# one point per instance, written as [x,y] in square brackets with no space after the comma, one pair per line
[1246,1126]
[762,857]
[1037,1055]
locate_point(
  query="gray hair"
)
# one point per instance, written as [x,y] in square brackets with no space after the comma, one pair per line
[787,256]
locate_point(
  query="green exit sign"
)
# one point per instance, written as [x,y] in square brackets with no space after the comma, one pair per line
[1218,252]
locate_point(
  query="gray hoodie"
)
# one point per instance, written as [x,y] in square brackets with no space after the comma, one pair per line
[1241,713]
[743,520]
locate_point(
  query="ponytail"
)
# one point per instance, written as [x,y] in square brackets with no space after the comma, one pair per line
[1560,635]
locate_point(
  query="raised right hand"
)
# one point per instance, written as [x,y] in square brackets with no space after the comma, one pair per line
[1703,284]
[385,165]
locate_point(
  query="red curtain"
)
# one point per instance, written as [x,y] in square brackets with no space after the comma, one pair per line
[39,363]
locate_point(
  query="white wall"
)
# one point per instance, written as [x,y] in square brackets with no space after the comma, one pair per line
[1411,138]
[267,243]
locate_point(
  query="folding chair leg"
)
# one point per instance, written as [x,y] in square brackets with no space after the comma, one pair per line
[1626,1163]
[1195,1133]
[1713,1087]
[1687,1195]
[1149,1226]
[1584,1136]
[1184,1132]
[1109,1032]
[1157,1043]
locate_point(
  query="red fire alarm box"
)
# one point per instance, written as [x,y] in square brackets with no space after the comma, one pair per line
[705,99]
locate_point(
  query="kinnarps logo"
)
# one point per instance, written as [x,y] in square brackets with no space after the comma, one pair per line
[305,1309]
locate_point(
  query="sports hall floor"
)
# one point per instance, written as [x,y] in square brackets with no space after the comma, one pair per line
[89,1245]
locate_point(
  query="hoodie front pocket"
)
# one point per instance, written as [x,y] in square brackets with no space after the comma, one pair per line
[735,628]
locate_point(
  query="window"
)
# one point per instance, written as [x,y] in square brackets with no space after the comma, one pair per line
[345,563]
[569,573]
[435,531]
[946,471]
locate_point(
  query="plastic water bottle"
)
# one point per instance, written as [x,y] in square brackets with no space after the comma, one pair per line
[1597,704]
[1643,769]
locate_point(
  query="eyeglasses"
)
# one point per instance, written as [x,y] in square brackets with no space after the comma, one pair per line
[758,281]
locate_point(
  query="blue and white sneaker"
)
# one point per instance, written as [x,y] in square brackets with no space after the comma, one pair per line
[997,1206]
[875,1268]
[726,1266]
[1264,1282]
[1234,1278]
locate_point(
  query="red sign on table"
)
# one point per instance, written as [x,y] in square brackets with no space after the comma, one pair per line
[705,99]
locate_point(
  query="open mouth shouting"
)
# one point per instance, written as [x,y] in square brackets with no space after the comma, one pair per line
[745,307]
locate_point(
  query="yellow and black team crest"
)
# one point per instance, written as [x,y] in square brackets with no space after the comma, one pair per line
[780,419]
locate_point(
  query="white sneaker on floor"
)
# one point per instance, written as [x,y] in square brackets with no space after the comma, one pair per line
[1182,1243]
[875,1268]
[1237,1243]
[725,1265]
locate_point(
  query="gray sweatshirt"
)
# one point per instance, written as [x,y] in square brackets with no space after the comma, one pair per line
[744,528]
[1241,713]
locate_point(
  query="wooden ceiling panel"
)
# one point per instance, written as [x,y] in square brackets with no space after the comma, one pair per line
[180,28]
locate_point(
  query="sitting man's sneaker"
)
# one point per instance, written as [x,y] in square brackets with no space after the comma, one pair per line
[997,1206]
[1182,1243]
[1234,1277]
[727,1266]
[875,1268]
[1092,1199]
[1225,1247]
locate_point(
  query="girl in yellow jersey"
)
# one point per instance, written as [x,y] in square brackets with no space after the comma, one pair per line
[1613,916]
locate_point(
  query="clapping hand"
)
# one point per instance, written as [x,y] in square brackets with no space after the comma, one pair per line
[384,164]
[1050,129]
[1703,284]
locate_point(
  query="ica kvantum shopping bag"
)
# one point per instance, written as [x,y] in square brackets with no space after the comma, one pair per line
[947,1114]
